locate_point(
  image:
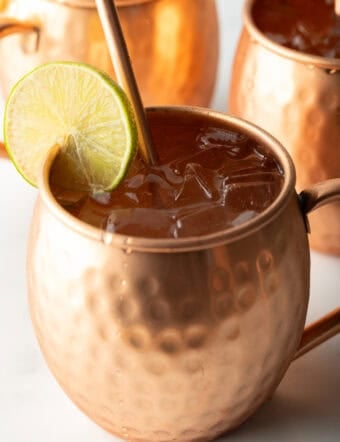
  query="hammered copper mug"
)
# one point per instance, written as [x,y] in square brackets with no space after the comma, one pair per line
[295,97]
[175,339]
[173,43]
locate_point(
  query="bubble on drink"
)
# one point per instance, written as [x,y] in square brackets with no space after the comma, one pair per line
[310,27]
[209,179]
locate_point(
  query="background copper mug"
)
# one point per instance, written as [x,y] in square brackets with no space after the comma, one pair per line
[182,340]
[173,43]
[3,153]
[295,97]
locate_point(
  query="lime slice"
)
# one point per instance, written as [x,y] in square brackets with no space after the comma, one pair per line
[84,112]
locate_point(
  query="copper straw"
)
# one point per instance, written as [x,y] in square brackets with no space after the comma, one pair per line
[337,7]
[121,62]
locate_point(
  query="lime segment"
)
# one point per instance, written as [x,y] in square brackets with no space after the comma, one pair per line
[84,112]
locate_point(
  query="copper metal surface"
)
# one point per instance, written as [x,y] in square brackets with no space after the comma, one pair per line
[174,340]
[296,97]
[173,43]
[3,153]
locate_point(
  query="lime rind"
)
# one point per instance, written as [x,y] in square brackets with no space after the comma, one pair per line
[83,111]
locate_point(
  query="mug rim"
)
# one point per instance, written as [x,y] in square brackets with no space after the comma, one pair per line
[91,4]
[291,54]
[192,243]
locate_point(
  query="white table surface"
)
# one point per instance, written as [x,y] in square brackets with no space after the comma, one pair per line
[305,408]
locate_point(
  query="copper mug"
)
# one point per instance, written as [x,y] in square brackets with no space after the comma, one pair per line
[175,340]
[295,97]
[173,43]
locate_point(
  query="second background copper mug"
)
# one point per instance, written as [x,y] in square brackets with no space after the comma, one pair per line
[173,43]
[295,97]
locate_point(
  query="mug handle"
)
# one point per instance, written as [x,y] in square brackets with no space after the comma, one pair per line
[9,26]
[3,153]
[328,326]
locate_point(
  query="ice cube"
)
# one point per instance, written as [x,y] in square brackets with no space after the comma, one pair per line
[232,144]
[202,219]
[153,223]
[215,137]
[198,183]
[249,176]
[300,43]
[243,217]
[172,174]
[102,198]
[251,195]
[92,212]
[148,190]
[69,197]
[135,182]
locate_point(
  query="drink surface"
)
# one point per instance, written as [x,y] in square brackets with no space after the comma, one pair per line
[309,26]
[208,179]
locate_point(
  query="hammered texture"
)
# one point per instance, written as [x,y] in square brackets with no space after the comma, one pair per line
[299,104]
[173,45]
[169,346]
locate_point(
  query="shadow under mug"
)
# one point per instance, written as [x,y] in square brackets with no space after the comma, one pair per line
[296,97]
[176,339]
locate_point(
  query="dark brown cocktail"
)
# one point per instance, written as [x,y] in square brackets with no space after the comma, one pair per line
[304,25]
[209,179]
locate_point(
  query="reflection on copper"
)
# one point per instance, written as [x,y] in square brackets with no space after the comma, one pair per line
[162,336]
[173,43]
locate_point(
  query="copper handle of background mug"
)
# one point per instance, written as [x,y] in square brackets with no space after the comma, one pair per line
[9,26]
[3,153]
[328,326]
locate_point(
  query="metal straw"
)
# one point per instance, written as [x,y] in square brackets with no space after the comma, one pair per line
[121,62]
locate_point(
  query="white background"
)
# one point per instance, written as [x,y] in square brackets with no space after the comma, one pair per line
[306,407]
